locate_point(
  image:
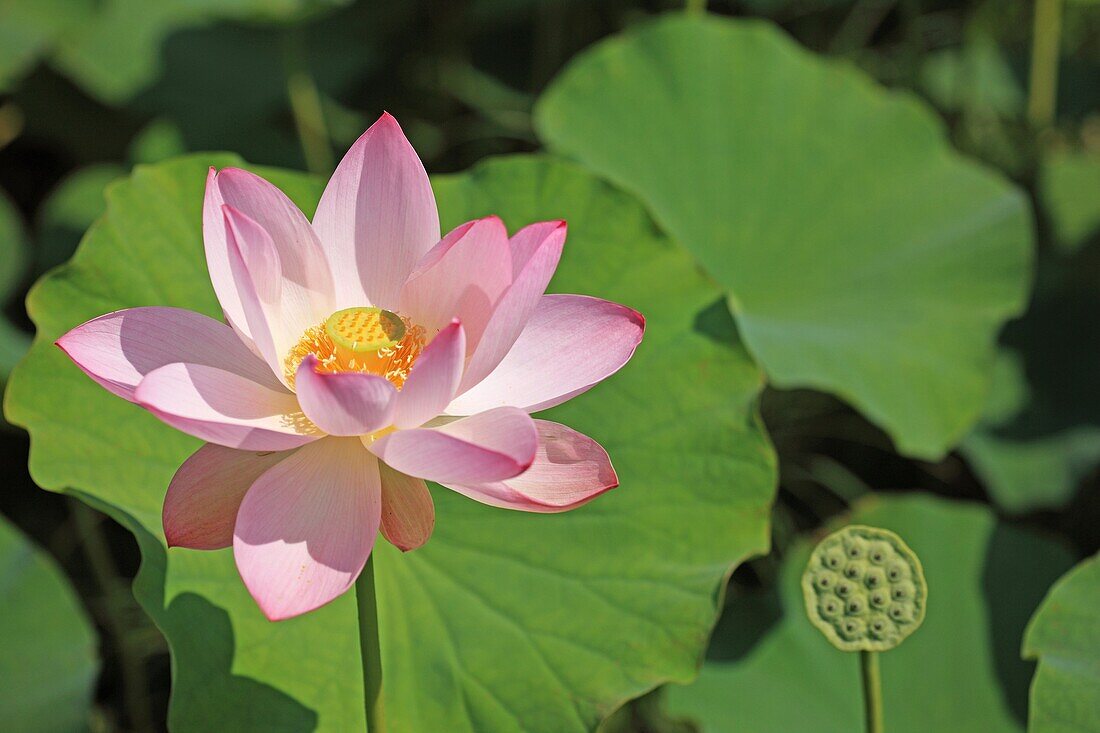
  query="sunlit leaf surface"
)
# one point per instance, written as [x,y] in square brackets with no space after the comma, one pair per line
[861,255]
[504,621]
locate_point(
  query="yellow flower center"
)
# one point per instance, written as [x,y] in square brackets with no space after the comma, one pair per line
[366,339]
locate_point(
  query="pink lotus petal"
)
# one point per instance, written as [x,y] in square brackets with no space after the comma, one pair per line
[408,514]
[303,260]
[491,446]
[347,403]
[377,217]
[277,309]
[536,250]
[202,500]
[570,469]
[221,407]
[434,378]
[117,350]
[571,343]
[257,275]
[306,527]
[462,277]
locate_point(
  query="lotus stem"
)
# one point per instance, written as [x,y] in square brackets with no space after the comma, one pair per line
[305,106]
[872,692]
[1043,92]
[369,647]
[131,666]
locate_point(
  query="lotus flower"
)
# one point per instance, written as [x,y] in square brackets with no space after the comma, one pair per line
[362,356]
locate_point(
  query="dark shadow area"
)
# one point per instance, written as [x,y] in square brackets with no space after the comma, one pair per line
[716,323]
[749,615]
[203,649]
[1015,579]
[204,646]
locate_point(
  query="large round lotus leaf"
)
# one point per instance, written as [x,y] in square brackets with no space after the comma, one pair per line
[48,661]
[504,621]
[1064,636]
[860,254]
[960,672]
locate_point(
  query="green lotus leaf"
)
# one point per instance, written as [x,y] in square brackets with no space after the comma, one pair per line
[1068,185]
[49,663]
[115,52]
[1064,635]
[861,255]
[13,264]
[504,620]
[30,28]
[959,673]
[68,211]
[1021,470]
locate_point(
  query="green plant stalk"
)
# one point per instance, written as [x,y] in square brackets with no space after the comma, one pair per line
[131,666]
[368,645]
[872,691]
[305,106]
[1046,40]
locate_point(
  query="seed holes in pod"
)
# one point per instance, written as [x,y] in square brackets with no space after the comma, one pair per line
[852,629]
[864,589]
[825,580]
[830,607]
[901,613]
[897,570]
[880,627]
[875,578]
[902,591]
[834,559]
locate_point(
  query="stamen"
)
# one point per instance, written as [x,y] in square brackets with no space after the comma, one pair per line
[367,340]
[359,331]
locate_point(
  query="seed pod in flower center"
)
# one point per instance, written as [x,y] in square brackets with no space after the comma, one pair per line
[363,339]
[356,332]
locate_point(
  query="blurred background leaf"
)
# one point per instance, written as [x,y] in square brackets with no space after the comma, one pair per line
[49,661]
[13,265]
[1024,473]
[1069,182]
[1064,635]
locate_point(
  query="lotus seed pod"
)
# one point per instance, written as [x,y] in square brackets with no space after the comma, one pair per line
[864,589]
[855,570]
[825,580]
[830,607]
[875,578]
[834,559]
[880,627]
[878,552]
